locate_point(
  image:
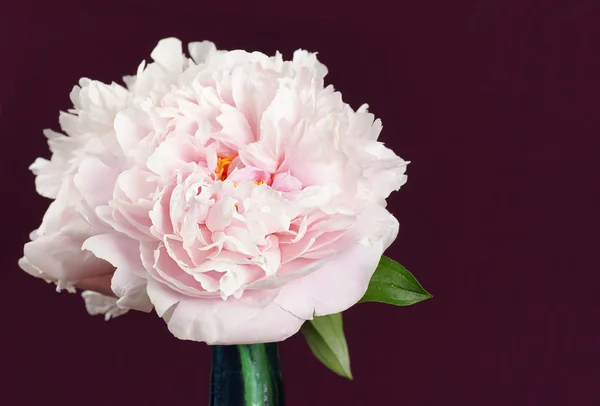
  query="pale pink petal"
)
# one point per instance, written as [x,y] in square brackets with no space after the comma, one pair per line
[117,249]
[59,256]
[95,181]
[285,182]
[159,215]
[258,155]
[253,93]
[234,321]
[167,271]
[100,284]
[128,281]
[162,297]
[172,154]
[334,287]
[131,290]
[220,215]
[134,185]
[131,127]
[249,174]
[236,131]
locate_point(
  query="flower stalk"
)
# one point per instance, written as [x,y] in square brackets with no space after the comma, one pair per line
[246,375]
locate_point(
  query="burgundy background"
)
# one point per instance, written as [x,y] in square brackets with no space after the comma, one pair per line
[494,102]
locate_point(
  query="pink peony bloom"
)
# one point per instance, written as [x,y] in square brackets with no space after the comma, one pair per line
[232,192]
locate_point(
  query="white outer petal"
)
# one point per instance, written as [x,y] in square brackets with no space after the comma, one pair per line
[96,303]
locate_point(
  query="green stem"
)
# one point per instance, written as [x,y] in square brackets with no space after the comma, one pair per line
[256,370]
[246,375]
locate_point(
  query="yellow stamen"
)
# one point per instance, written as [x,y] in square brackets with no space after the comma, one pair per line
[222,166]
[258,183]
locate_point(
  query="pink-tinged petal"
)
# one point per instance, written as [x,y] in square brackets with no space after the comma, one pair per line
[287,273]
[317,196]
[128,281]
[342,280]
[131,290]
[384,170]
[95,181]
[134,185]
[285,182]
[177,205]
[159,215]
[172,154]
[377,224]
[131,219]
[240,241]
[290,252]
[196,245]
[286,106]
[119,250]
[100,284]
[233,321]
[176,251]
[122,224]
[167,271]
[236,278]
[270,258]
[220,215]
[60,215]
[236,131]
[248,174]
[258,155]
[340,283]
[59,256]
[162,297]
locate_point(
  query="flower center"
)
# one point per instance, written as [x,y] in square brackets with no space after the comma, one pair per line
[222,167]
[222,170]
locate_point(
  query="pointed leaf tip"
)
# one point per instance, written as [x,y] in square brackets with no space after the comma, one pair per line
[326,340]
[394,284]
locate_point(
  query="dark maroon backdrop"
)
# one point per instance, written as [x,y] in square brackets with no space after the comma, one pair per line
[492,101]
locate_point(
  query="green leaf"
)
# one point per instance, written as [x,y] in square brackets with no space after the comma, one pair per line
[393,284]
[325,337]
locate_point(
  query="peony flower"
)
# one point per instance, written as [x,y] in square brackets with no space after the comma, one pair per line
[232,192]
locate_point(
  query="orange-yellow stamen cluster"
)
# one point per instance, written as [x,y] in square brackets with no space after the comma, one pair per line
[222,167]
[222,170]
